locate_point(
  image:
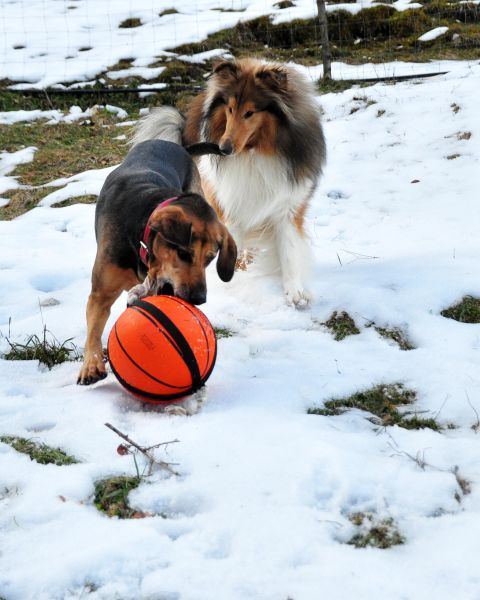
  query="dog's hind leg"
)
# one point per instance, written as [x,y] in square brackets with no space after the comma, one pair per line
[292,249]
[108,282]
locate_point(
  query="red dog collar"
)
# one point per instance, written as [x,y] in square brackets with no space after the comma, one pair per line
[143,252]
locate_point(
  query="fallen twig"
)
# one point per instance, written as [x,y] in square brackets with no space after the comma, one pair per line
[146,451]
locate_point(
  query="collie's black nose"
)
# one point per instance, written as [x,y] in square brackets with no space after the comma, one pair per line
[226,148]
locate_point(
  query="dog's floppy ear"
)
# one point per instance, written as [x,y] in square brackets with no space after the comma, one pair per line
[225,69]
[275,77]
[227,256]
[174,228]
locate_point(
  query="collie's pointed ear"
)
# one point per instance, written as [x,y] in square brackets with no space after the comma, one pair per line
[227,256]
[225,69]
[275,76]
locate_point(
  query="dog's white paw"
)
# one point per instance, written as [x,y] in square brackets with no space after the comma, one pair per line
[175,410]
[136,293]
[299,298]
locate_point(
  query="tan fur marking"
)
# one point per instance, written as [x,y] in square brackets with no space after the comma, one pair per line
[299,218]
[168,266]
[211,198]
[191,132]
[108,282]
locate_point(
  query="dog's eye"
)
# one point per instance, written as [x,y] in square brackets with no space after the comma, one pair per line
[184,255]
[230,110]
[248,114]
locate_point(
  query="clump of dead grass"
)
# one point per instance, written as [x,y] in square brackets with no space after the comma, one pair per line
[341,325]
[381,401]
[40,453]
[465,311]
[46,349]
[373,532]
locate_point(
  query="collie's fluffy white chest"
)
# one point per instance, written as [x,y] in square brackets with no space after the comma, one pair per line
[253,190]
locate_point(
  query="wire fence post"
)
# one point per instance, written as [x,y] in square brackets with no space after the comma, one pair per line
[326,55]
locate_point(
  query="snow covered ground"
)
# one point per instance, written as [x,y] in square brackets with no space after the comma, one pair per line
[48,43]
[260,510]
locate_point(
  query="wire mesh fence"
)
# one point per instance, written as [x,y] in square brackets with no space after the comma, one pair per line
[84,45]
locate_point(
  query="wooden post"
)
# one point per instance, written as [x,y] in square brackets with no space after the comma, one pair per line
[327,58]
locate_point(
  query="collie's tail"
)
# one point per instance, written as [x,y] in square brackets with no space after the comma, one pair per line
[162,123]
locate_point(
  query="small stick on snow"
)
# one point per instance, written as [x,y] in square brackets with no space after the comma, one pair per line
[475,426]
[145,451]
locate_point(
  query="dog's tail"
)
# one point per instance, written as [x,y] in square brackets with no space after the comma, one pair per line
[162,123]
[166,123]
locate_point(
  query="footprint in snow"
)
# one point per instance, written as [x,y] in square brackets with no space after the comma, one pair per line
[49,281]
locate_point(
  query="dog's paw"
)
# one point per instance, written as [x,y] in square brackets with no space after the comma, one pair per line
[93,370]
[299,298]
[136,293]
[175,410]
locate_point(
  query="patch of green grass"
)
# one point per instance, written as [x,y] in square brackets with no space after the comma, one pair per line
[327,86]
[223,332]
[40,453]
[465,311]
[373,533]
[394,334]
[47,350]
[382,401]
[111,496]
[416,422]
[22,200]
[229,10]
[341,325]
[64,150]
[130,23]
[385,34]
[177,71]
[168,11]
[284,4]
[88,199]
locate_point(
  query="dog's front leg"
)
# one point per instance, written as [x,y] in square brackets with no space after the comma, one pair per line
[293,254]
[108,282]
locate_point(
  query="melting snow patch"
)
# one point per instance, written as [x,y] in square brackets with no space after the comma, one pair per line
[433,34]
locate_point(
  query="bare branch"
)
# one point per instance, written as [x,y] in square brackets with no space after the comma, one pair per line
[475,426]
[146,451]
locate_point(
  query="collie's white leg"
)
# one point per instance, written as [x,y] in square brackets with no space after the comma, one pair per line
[293,254]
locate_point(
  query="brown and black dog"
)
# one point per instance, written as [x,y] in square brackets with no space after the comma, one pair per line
[151,227]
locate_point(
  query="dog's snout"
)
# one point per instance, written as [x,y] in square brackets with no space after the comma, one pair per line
[198,295]
[226,147]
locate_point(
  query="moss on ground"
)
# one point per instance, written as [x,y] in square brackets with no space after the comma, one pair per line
[284,4]
[341,325]
[465,311]
[383,402]
[394,334]
[373,532]
[111,497]
[130,23]
[168,11]
[223,332]
[63,150]
[377,34]
[41,453]
[46,349]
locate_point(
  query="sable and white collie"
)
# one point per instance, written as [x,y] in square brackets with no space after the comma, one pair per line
[266,121]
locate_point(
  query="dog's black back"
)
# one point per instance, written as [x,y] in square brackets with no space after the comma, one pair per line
[151,172]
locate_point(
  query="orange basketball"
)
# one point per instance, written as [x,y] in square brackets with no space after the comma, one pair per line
[162,348]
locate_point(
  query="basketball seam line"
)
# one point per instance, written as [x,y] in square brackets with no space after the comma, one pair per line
[178,387]
[203,331]
[185,351]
